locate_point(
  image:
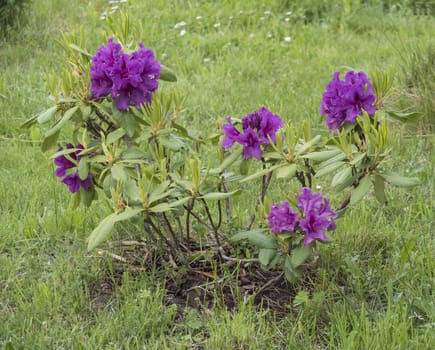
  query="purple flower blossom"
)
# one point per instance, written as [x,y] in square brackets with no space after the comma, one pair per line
[130,79]
[343,101]
[70,161]
[102,69]
[74,182]
[315,216]
[257,128]
[251,144]
[318,215]
[282,219]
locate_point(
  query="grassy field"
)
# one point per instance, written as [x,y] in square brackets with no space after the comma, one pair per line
[374,283]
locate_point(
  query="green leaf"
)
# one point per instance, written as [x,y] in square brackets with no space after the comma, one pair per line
[263,172]
[101,232]
[128,213]
[47,115]
[218,195]
[118,172]
[230,159]
[287,171]
[306,146]
[322,156]
[266,256]
[411,117]
[300,255]
[79,49]
[115,136]
[380,189]
[361,190]
[329,168]
[292,274]
[341,177]
[257,237]
[67,116]
[83,168]
[401,181]
[179,202]
[49,141]
[29,122]
[160,208]
[167,75]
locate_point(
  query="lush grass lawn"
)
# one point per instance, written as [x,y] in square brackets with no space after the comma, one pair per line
[373,288]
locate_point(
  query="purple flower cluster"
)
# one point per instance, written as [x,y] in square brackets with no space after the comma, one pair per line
[314,217]
[257,127]
[66,162]
[130,79]
[343,101]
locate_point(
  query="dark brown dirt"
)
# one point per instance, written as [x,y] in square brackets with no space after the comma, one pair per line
[205,284]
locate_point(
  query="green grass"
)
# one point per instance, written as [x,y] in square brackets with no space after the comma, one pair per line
[374,283]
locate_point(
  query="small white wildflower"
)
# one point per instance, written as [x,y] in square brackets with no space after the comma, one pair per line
[121,1]
[206,60]
[251,35]
[198,17]
[318,187]
[287,19]
[113,2]
[267,12]
[217,25]
[179,24]
[287,39]
[183,32]
[288,13]
[269,36]
[261,18]
[114,8]
[103,15]
[164,55]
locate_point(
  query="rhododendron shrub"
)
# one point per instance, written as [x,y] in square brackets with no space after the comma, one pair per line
[127,145]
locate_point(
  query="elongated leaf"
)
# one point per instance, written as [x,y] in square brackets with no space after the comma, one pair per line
[361,190]
[231,159]
[287,171]
[101,232]
[341,177]
[380,189]
[266,256]
[329,168]
[29,122]
[257,237]
[79,49]
[306,146]
[167,75]
[118,172]
[67,116]
[160,208]
[83,168]
[300,255]
[405,117]
[219,195]
[322,156]
[47,115]
[291,273]
[49,141]
[401,181]
[179,202]
[128,213]
[263,172]
[115,136]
